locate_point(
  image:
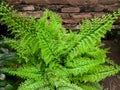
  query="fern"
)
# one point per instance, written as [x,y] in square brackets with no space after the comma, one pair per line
[31,84]
[50,58]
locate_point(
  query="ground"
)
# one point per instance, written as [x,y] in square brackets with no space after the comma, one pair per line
[113,83]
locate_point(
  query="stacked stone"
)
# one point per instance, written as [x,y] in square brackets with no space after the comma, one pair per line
[71,11]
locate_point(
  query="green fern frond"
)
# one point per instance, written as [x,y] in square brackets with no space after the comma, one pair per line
[93,86]
[95,54]
[47,42]
[63,85]
[84,66]
[30,72]
[31,84]
[100,73]
[91,35]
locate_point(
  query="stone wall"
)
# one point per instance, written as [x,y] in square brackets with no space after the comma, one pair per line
[71,11]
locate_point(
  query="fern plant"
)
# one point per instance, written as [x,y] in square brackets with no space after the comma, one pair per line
[50,58]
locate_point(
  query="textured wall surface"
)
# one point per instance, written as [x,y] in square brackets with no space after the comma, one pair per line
[71,11]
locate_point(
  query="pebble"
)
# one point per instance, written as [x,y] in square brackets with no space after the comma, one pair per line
[2,76]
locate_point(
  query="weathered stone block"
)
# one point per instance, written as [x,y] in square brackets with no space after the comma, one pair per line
[78,2]
[112,7]
[93,2]
[72,26]
[108,2]
[54,7]
[37,14]
[69,21]
[34,1]
[81,15]
[98,14]
[57,1]
[29,8]
[64,15]
[99,8]
[14,1]
[70,9]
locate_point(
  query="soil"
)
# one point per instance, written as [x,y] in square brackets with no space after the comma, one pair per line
[113,82]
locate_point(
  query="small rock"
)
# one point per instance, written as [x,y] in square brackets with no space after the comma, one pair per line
[2,88]
[29,8]
[9,87]
[2,76]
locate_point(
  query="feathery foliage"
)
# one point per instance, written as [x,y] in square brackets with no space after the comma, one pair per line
[50,58]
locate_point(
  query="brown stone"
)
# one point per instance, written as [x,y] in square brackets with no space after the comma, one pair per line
[37,14]
[81,16]
[34,1]
[13,1]
[99,8]
[71,9]
[108,2]
[57,1]
[72,26]
[98,14]
[68,21]
[64,15]
[78,2]
[46,1]
[89,8]
[113,7]
[78,18]
[75,27]
[93,2]
[54,7]
[29,8]
[71,21]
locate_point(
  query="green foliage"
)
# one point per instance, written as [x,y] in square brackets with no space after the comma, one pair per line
[50,58]
[7,57]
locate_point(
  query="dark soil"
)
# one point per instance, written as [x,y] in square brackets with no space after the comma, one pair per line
[112,83]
